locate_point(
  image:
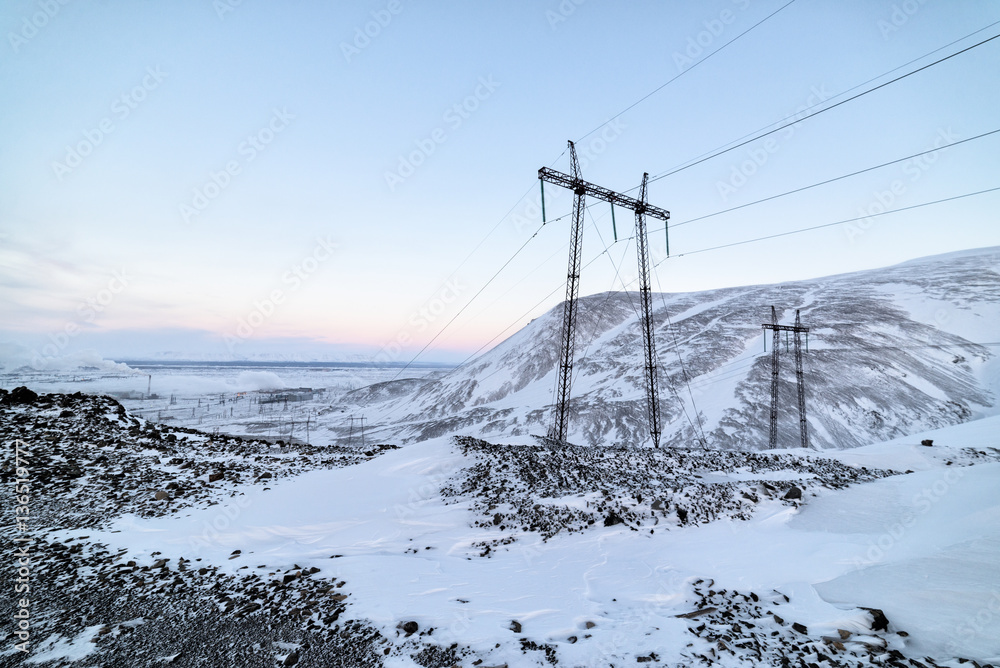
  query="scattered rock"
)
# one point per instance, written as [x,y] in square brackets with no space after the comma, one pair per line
[879,621]
[161,495]
[928,442]
[800,628]
[696,613]
[612,519]
[22,395]
[515,626]
[410,627]
[793,493]
[212,477]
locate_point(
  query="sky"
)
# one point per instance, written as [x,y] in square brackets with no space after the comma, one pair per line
[220,179]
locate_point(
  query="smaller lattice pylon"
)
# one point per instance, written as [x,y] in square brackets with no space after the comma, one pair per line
[797,330]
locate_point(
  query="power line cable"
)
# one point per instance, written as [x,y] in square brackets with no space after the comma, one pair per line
[680,360]
[839,222]
[837,178]
[683,72]
[842,93]
[818,112]
[468,303]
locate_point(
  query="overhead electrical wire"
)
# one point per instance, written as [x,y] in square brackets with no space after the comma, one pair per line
[680,360]
[703,250]
[635,310]
[715,154]
[844,92]
[468,303]
[817,112]
[836,178]
[683,72]
[839,222]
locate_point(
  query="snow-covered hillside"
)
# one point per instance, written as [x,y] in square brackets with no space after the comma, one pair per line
[891,352]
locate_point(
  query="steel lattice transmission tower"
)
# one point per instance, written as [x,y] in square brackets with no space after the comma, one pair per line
[648,342]
[642,209]
[797,330]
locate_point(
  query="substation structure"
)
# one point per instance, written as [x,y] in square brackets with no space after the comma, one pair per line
[581,189]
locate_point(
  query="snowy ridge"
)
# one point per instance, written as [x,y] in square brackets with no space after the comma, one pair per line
[891,351]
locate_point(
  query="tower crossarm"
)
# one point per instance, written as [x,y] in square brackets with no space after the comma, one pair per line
[785,328]
[580,186]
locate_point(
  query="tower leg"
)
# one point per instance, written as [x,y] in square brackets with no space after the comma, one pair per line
[800,381]
[568,339]
[776,343]
[648,341]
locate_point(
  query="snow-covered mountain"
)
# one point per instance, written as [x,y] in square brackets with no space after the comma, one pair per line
[891,352]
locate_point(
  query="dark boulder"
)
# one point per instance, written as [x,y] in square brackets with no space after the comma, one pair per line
[22,395]
[793,493]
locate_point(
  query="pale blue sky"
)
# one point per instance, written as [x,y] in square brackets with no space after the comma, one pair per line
[356,259]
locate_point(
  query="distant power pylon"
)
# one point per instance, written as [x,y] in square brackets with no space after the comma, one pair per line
[642,209]
[350,439]
[797,330]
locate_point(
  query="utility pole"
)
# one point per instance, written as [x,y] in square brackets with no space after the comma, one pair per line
[361,421]
[796,330]
[642,209]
